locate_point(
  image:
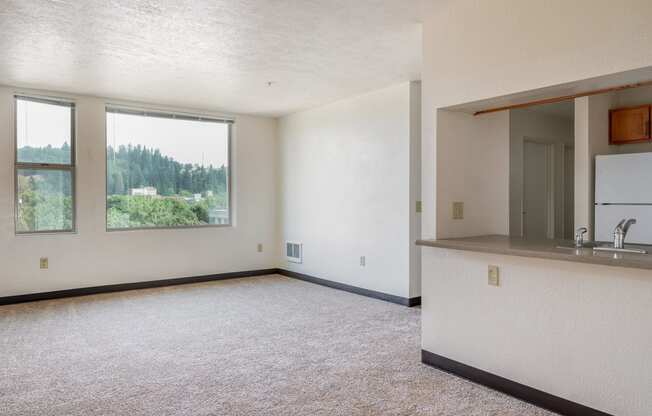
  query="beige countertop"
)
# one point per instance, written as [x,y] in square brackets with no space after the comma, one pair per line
[543,249]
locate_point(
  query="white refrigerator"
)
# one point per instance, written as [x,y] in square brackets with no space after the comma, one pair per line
[623,189]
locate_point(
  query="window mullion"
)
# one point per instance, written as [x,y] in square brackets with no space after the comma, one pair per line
[43,166]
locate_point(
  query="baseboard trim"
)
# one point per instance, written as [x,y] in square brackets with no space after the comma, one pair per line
[353,289]
[95,290]
[121,287]
[520,391]
[415,301]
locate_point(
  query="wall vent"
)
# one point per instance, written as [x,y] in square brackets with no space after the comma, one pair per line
[294,252]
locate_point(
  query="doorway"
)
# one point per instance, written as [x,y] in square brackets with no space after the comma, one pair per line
[538,195]
[541,175]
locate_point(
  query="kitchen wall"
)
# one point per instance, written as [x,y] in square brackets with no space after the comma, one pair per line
[592,139]
[476,50]
[620,99]
[483,143]
[349,184]
[577,331]
[94,257]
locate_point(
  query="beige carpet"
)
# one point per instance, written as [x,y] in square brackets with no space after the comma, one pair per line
[253,346]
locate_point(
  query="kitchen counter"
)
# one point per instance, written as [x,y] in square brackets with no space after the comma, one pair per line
[543,249]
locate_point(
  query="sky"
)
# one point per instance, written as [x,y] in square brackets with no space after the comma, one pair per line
[185,141]
[41,124]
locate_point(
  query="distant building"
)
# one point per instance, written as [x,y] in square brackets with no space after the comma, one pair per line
[209,194]
[218,216]
[193,199]
[144,191]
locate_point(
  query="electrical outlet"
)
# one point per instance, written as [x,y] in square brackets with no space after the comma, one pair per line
[419,207]
[493,276]
[43,263]
[260,248]
[458,210]
[363,261]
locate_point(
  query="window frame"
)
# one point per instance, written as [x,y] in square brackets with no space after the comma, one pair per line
[175,115]
[71,167]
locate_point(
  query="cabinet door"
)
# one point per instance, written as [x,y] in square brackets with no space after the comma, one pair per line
[629,125]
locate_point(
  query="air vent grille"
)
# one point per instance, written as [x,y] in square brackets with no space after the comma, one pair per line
[294,252]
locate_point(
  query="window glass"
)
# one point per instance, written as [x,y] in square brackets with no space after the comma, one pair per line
[43,132]
[166,171]
[44,200]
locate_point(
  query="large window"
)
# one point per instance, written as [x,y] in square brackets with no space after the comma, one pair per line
[45,165]
[166,170]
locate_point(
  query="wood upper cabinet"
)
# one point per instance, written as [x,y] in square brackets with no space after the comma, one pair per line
[628,125]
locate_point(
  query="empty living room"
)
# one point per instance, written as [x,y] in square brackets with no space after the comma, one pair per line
[325,207]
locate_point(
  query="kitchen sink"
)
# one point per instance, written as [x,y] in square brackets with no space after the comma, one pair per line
[571,246]
[620,250]
[601,247]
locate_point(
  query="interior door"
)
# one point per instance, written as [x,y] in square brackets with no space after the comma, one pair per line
[536,190]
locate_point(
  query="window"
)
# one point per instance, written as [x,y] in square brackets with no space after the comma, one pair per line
[166,170]
[45,165]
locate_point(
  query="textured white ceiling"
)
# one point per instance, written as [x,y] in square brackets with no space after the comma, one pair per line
[216,54]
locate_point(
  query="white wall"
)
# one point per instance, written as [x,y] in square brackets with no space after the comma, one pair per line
[415,187]
[559,131]
[473,166]
[474,50]
[94,257]
[584,166]
[591,139]
[481,49]
[577,331]
[347,189]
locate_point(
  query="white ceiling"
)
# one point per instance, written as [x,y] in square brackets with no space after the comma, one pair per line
[211,54]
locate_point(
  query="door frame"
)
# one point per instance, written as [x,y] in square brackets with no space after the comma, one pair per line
[550,185]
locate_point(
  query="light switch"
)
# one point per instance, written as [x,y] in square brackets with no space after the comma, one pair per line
[419,207]
[493,276]
[458,210]
[43,263]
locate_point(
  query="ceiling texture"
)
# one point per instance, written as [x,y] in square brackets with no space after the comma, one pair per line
[214,55]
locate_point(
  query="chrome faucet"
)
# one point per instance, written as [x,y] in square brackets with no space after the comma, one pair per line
[579,236]
[621,231]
